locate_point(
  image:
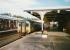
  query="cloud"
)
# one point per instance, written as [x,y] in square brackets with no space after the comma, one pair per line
[18,5]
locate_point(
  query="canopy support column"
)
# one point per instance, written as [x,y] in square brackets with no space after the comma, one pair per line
[41,13]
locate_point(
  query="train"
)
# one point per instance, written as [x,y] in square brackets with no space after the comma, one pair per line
[7,24]
[28,27]
[10,24]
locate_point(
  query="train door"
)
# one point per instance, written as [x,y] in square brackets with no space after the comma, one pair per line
[24,28]
[28,28]
[21,28]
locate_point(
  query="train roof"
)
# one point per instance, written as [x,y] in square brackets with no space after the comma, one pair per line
[29,16]
[22,16]
[26,16]
[7,17]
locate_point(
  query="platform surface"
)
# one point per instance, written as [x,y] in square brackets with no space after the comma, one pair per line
[35,41]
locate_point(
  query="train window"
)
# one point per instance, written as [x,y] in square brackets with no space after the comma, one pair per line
[27,24]
[14,24]
[6,25]
[19,24]
[0,24]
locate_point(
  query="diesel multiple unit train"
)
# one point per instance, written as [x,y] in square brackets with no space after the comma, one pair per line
[28,27]
[10,25]
[7,24]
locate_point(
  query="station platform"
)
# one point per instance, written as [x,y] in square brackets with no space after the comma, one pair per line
[36,41]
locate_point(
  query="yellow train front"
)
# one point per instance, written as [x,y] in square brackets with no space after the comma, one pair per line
[27,27]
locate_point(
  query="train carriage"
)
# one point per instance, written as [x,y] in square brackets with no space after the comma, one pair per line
[7,24]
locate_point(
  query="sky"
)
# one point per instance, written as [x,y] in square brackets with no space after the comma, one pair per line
[19,5]
[52,3]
